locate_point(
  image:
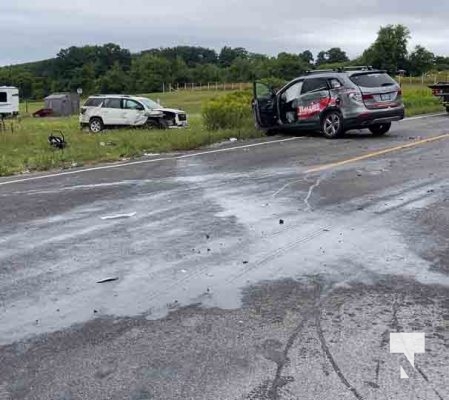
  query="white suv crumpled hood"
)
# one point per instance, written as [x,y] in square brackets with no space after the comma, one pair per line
[172,110]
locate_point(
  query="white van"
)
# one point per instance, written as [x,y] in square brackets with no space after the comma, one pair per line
[9,101]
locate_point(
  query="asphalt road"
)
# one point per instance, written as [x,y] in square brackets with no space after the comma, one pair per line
[273,269]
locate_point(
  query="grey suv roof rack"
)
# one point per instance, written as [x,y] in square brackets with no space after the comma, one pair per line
[358,68]
[106,95]
[319,71]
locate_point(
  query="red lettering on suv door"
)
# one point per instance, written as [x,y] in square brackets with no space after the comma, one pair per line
[315,107]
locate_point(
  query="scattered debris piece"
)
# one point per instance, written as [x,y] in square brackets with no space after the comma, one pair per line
[326,230]
[120,216]
[431,191]
[281,222]
[208,250]
[107,280]
[233,139]
[102,144]
[207,237]
[174,305]
[95,312]
[245,262]
[183,271]
[58,142]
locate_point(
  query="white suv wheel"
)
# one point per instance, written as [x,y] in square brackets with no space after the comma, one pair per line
[96,125]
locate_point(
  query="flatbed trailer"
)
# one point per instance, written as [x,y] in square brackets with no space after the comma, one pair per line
[441,90]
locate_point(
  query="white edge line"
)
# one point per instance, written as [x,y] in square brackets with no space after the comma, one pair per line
[129,164]
[424,116]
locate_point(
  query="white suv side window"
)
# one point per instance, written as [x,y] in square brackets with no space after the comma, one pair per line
[112,103]
[131,105]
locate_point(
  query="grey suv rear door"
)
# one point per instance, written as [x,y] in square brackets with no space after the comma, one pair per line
[314,98]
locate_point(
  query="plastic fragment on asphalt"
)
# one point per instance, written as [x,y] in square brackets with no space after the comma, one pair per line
[281,222]
[233,139]
[119,216]
[107,280]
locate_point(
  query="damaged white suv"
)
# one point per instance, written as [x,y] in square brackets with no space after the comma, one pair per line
[102,111]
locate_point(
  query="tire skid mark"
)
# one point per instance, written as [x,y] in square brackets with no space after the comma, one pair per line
[276,389]
[331,359]
[366,202]
[279,382]
[427,380]
[279,252]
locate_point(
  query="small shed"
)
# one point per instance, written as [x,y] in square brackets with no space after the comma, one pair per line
[63,104]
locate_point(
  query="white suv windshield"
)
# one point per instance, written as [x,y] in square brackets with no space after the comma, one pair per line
[149,103]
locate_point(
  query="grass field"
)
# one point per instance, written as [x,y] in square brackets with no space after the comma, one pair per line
[24,145]
[418,99]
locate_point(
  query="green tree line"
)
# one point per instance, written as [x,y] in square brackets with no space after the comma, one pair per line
[112,69]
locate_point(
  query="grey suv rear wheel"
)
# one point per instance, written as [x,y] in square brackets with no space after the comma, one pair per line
[332,125]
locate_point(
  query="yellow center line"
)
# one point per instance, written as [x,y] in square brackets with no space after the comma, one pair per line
[373,154]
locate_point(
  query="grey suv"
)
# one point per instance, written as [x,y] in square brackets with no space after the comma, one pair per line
[332,101]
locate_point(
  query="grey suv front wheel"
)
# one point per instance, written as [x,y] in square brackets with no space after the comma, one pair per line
[332,125]
[96,125]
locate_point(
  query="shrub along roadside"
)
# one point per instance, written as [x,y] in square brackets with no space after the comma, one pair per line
[232,111]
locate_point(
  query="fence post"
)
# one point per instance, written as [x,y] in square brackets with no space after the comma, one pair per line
[208,85]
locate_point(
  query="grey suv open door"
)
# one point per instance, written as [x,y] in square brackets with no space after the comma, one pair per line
[264,106]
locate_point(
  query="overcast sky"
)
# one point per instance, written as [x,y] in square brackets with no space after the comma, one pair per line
[34,30]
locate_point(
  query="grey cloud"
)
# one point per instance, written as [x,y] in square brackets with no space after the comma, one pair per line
[37,30]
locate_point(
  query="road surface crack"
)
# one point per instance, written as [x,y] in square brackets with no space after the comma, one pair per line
[312,188]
